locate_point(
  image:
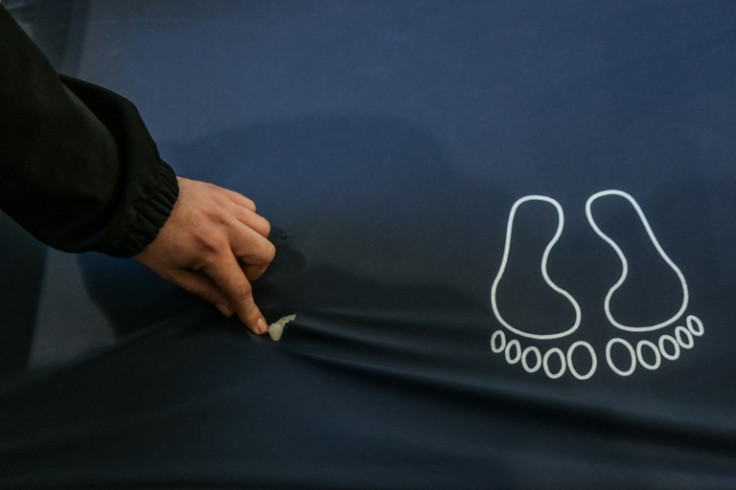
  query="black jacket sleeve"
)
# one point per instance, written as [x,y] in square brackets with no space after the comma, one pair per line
[78,168]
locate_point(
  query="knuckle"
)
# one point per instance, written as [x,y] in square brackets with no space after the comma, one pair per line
[270,252]
[248,202]
[266,227]
[209,243]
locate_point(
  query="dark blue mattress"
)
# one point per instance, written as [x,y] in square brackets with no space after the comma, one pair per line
[507,231]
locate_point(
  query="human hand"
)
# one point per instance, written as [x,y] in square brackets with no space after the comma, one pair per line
[213,245]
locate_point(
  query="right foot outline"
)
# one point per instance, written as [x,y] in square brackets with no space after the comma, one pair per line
[625,262]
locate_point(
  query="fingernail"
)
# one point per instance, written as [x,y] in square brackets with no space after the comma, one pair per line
[261,326]
[224,310]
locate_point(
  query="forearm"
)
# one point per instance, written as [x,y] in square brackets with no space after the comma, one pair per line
[79,169]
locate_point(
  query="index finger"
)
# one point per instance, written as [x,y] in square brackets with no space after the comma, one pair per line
[241,200]
[229,277]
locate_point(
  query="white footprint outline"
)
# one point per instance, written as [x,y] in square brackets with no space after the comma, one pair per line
[625,263]
[545,275]
[668,347]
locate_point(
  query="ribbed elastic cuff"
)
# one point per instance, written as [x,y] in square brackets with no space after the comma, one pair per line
[151,214]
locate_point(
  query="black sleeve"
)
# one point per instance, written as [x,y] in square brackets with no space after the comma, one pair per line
[79,169]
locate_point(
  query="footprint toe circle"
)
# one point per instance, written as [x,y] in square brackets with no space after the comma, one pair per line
[669,339]
[563,364]
[514,345]
[681,332]
[695,325]
[640,355]
[632,356]
[593,360]
[525,359]
[498,341]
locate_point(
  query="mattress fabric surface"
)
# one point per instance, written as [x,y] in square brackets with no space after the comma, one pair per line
[506,230]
